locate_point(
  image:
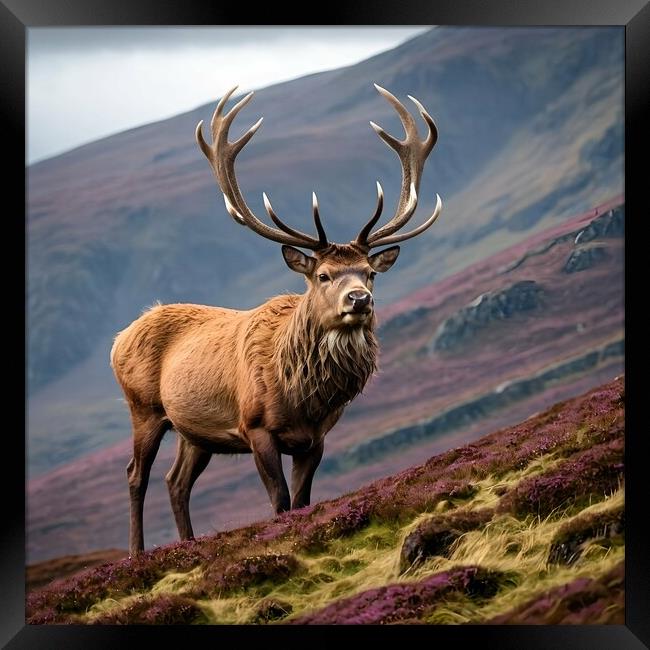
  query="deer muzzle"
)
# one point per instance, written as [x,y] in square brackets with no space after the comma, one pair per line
[360,302]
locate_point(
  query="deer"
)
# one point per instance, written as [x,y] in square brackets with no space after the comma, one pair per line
[272,380]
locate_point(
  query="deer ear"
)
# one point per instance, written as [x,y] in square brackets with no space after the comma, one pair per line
[383,260]
[297,261]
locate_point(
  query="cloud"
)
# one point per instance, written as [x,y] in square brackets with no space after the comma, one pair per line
[45,41]
[87,83]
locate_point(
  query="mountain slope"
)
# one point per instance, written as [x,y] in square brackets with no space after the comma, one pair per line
[525,525]
[530,127]
[424,400]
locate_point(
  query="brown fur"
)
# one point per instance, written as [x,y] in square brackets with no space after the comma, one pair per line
[320,371]
[273,380]
[270,380]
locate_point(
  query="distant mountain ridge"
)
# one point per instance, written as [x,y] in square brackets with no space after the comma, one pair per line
[530,132]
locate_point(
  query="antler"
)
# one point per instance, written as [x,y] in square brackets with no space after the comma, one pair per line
[412,153]
[221,156]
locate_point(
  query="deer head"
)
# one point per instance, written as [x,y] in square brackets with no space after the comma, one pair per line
[339,276]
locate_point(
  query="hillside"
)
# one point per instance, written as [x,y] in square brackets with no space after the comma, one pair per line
[526,525]
[510,358]
[530,127]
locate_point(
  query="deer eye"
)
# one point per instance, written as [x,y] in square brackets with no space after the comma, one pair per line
[372,275]
[323,277]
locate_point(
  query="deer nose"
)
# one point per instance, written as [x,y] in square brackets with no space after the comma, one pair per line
[360,300]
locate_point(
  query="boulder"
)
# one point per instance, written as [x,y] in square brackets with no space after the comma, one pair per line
[436,535]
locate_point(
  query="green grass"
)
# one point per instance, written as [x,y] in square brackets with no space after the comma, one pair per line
[478,554]
[370,559]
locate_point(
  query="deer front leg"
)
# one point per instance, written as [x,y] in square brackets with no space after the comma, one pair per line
[302,474]
[269,465]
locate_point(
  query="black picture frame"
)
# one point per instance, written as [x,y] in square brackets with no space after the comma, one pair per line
[18,15]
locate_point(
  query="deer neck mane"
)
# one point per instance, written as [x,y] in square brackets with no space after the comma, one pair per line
[322,370]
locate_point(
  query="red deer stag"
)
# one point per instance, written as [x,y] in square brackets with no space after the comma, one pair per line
[271,380]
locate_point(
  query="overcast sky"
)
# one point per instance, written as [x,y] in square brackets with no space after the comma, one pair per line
[85,83]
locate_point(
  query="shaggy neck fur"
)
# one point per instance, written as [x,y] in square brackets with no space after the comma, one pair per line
[321,371]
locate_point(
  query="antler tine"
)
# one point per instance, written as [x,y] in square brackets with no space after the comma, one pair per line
[432,136]
[219,110]
[198,132]
[203,145]
[412,153]
[220,125]
[322,237]
[397,221]
[239,144]
[283,226]
[406,118]
[362,237]
[232,211]
[393,239]
[221,156]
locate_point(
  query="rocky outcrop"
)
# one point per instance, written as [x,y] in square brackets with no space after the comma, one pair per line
[584,257]
[610,224]
[484,310]
[472,410]
[607,225]
[436,536]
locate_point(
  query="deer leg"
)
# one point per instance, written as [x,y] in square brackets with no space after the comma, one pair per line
[269,465]
[302,474]
[190,462]
[148,430]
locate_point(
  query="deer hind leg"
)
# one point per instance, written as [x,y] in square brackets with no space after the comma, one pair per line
[302,474]
[149,426]
[190,462]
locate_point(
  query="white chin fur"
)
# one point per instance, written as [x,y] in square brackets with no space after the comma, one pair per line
[337,341]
